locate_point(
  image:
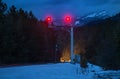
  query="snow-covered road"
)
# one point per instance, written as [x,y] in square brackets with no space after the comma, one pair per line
[49,71]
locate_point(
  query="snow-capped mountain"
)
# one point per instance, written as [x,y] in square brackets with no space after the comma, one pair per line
[91,17]
[99,15]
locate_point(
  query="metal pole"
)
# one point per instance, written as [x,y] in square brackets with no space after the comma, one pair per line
[72,44]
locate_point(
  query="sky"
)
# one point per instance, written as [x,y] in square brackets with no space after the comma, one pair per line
[59,8]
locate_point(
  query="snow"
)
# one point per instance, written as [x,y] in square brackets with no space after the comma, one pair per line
[55,71]
[77,22]
[91,15]
[100,15]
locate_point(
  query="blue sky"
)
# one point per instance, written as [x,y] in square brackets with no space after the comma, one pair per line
[58,8]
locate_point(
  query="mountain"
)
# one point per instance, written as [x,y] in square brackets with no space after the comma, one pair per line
[91,17]
[97,15]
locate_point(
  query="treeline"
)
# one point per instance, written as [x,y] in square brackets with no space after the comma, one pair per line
[99,41]
[23,38]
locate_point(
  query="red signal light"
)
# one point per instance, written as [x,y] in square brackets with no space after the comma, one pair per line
[68,19]
[49,19]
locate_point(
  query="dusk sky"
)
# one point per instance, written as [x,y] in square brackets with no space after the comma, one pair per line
[58,8]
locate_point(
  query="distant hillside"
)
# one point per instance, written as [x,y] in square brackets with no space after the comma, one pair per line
[101,42]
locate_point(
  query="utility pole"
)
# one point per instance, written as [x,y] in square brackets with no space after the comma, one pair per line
[68,21]
[72,44]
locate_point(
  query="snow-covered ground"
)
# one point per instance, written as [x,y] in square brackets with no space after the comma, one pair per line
[57,71]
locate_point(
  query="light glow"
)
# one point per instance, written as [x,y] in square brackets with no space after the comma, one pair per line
[49,19]
[68,19]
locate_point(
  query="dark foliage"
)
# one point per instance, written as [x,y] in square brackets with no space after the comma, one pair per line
[24,39]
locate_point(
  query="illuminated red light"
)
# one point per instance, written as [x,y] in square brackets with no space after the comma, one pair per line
[49,19]
[68,19]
